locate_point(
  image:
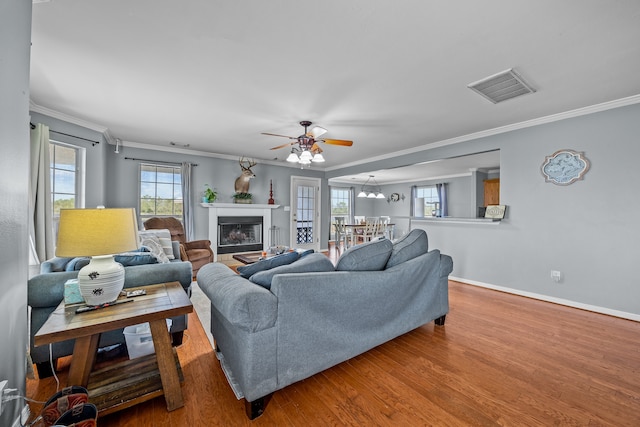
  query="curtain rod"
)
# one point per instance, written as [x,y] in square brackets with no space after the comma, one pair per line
[158,161]
[93,143]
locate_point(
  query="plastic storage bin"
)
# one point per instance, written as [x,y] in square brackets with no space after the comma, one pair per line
[139,340]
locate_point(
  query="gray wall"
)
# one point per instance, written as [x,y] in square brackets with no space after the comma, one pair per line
[15,36]
[122,188]
[95,191]
[587,230]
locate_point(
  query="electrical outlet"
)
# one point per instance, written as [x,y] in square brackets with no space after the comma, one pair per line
[556,276]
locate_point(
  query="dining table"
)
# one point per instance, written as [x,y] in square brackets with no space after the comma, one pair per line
[359,229]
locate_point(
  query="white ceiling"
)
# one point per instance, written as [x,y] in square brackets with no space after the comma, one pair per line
[389,75]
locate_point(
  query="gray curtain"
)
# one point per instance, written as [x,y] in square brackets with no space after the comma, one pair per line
[40,209]
[442,197]
[187,208]
[414,194]
[352,204]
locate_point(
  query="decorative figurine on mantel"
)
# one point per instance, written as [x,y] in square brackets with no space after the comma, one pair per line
[271,201]
[242,194]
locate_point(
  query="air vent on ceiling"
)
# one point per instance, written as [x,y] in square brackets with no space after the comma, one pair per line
[502,86]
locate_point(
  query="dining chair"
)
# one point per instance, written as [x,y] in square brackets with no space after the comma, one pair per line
[385,228]
[368,231]
[340,232]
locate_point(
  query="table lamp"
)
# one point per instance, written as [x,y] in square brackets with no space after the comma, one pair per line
[99,234]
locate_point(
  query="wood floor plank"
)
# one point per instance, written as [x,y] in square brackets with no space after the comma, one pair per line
[500,359]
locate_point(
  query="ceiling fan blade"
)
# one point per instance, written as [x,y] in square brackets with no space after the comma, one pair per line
[343,142]
[316,131]
[283,136]
[315,148]
[283,145]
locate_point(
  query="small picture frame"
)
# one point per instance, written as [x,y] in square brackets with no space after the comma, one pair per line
[495,211]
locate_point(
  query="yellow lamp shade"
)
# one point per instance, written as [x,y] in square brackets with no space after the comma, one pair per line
[92,232]
[98,233]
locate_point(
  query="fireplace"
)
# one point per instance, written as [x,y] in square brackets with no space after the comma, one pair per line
[233,210]
[239,234]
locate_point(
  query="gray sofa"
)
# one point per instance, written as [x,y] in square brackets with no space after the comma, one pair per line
[312,316]
[45,291]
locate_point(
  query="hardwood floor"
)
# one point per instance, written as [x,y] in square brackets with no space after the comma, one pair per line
[500,359]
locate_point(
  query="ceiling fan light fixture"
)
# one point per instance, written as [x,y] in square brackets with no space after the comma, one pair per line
[376,193]
[306,155]
[317,131]
[318,158]
[293,158]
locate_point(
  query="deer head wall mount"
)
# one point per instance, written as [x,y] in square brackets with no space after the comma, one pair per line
[243,181]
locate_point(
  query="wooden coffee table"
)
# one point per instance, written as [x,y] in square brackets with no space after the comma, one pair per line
[248,258]
[127,383]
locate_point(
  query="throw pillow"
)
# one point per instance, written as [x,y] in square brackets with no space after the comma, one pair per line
[153,244]
[247,271]
[164,237]
[369,256]
[316,262]
[139,257]
[413,244]
[304,252]
[77,263]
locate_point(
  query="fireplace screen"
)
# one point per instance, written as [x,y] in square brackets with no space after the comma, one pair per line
[239,234]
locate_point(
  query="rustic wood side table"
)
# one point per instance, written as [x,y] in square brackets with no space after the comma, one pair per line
[127,383]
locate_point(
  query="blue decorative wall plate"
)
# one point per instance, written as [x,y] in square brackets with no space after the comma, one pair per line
[564,167]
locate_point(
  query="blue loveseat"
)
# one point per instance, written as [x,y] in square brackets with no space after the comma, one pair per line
[45,291]
[290,322]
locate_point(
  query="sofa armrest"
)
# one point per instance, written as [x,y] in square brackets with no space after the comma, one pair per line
[244,304]
[47,290]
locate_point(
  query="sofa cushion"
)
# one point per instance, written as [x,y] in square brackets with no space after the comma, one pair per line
[413,244]
[369,256]
[315,262]
[247,271]
[164,237]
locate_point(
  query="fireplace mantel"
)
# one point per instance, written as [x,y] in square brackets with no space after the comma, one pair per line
[237,209]
[238,205]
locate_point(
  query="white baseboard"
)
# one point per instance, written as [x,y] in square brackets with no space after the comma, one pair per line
[569,303]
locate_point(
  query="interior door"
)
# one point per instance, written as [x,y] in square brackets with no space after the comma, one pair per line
[305,213]
[491,192]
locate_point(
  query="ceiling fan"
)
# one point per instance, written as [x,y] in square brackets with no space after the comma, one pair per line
[307,144]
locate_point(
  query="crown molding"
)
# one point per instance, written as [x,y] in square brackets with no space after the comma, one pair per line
[609,105]
[66,118]
[174,149]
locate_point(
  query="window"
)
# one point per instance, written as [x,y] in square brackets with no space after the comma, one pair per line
[160,191]
[66,167]
[431,201]
[341,203]
[66,176]
[340,206]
